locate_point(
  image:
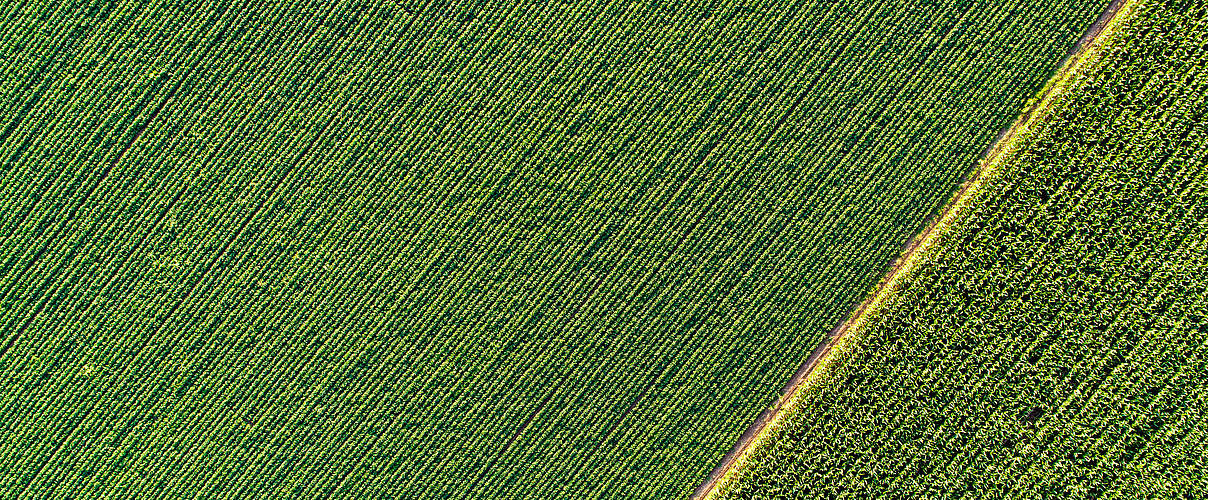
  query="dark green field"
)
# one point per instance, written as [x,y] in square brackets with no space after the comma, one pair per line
[1053,341]
[402,249]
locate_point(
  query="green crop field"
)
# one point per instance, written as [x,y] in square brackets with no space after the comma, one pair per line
[1052,341]
[404,249]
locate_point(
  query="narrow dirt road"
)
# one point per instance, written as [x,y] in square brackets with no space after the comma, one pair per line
[820,352]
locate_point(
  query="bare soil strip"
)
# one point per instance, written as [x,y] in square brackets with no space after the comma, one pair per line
[824,347]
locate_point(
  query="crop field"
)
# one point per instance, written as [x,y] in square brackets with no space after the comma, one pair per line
[1051,341]
[403,249]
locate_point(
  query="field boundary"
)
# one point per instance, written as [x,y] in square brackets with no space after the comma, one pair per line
[820,355]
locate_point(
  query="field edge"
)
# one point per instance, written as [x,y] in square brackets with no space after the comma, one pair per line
[1008,140]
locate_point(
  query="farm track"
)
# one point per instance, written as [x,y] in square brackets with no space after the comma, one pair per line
[910,251]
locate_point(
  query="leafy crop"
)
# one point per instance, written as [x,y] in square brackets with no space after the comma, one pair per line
[1051,342]
[403,249]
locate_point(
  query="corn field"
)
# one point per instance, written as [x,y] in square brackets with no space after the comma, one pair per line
[403,249]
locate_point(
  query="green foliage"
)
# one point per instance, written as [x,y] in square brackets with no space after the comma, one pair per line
[1052,344]
[404,249]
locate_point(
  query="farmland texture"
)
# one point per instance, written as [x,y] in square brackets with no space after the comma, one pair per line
[458,250]
[1051,341]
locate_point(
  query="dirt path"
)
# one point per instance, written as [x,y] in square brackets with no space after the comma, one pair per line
[824,347]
